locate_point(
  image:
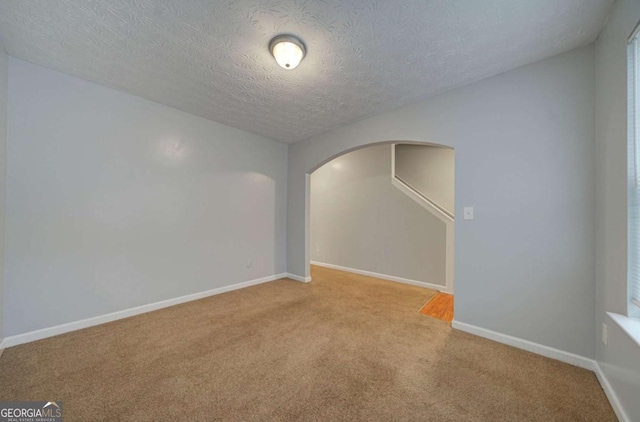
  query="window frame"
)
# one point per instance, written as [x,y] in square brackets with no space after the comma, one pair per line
[633,173]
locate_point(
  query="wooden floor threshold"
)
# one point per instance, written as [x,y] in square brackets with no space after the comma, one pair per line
[440,306]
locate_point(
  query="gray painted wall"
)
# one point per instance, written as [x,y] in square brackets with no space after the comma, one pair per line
[620,360]
[430,170]
[4,76]
[116,202]
[524,267]
[360,220]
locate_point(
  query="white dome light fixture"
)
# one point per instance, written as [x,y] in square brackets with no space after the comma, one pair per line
[288,50]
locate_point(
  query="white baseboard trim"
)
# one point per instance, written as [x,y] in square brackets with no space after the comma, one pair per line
[552,353]
[611,395]
[527,345]
[113,316]
[382,276]
[299,278]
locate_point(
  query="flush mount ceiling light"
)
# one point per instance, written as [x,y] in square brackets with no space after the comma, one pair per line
[288,50]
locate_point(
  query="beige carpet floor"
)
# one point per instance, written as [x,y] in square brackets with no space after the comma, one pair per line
[342,348]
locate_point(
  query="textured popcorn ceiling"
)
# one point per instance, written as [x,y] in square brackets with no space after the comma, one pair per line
[210,58]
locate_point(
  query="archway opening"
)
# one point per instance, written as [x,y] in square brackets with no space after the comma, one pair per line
[384,210]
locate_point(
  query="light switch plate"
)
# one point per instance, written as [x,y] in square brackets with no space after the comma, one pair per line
[468,213]
[605,334]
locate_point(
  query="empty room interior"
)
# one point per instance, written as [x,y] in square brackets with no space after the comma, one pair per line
[320,210]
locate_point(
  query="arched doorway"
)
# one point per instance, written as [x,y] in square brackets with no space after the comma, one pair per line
[307,207]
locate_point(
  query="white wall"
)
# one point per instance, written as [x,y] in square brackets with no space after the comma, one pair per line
[620,360]
[115,201]
[524,143]
[360,220]
[4,76]
[429,170]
